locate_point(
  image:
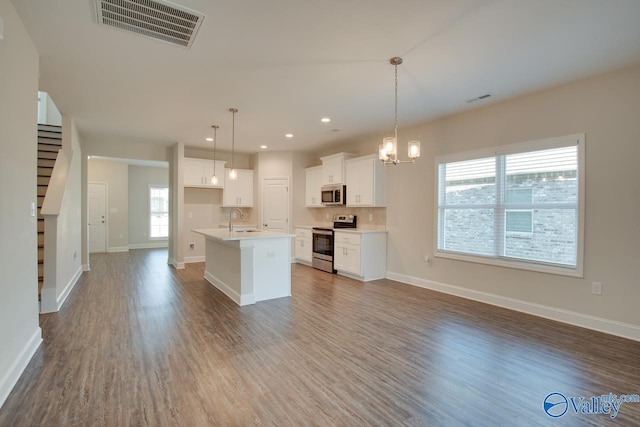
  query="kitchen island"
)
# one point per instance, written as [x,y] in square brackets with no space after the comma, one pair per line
[248,266]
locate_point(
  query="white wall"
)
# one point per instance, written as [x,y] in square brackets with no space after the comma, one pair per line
[605,108]
[176,205]
[116,175]
[140,178]
[20,334]
[48,113]
[300,214]
[202,209]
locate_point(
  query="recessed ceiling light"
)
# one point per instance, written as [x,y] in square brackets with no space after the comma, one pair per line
[325,120]
[210,139]
[263,146]
[289,135]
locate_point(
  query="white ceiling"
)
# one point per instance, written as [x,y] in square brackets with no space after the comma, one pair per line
[286,63]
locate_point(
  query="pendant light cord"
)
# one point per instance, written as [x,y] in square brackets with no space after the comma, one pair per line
[215,138]
[233,134]
[396,117]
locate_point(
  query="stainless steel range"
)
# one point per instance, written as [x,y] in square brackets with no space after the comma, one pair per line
[322,257]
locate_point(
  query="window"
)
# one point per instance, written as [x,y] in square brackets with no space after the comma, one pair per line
[519,205]
[158,212]
[519,220]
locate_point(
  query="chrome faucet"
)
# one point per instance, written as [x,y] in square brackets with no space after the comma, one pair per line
[231,217]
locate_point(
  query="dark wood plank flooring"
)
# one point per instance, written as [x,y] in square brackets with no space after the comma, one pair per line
[140,344]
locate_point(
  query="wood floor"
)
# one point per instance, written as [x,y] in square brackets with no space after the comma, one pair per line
[140,344]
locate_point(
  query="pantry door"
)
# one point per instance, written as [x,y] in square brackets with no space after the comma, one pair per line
[275,204]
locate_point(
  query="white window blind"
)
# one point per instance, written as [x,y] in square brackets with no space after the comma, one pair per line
[521,206]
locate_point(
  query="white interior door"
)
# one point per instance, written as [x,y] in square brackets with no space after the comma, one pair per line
[275,204]
[97,217]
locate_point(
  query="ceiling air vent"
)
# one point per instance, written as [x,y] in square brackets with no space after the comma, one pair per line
[160,20]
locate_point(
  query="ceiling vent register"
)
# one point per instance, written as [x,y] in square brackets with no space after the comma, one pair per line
[160,20]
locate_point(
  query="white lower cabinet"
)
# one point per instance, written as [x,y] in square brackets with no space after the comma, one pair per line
[346,253]
[303,251]
[361,255]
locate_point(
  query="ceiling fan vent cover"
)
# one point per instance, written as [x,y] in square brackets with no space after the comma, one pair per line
[160,20]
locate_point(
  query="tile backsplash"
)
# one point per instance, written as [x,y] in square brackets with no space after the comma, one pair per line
[366,216]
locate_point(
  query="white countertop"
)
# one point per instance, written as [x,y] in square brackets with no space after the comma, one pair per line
[223,234]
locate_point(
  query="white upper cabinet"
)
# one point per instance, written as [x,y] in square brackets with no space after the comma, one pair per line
[366,182]
[198,172]
[313,181]
[333,168]
[238,192]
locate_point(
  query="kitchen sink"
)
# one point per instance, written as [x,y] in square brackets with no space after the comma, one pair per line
[246,231]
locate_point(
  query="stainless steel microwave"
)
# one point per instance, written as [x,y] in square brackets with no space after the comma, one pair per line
[334,195]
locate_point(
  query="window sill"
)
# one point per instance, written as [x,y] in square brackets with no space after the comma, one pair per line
[504,262]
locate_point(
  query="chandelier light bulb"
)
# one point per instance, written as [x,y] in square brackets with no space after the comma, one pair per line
[214,180]
[414,149]
[233,175]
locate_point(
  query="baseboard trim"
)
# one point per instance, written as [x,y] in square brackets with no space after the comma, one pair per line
[177,265]
[118,249]
[191,259]
[152,245]
[19,365]
[52,303]
[612,327]
[246,299]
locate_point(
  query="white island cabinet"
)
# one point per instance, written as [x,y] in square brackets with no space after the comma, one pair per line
[248,266]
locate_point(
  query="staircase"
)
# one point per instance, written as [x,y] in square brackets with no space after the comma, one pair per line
[49,142]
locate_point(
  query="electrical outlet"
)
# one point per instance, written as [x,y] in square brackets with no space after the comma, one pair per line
[596,288]
[427,260]
[370,217]
[192,246]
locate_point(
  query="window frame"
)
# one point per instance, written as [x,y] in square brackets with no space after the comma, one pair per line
[150,212]
[502,261]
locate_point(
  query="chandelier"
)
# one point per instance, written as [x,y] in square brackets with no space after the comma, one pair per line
[388,150]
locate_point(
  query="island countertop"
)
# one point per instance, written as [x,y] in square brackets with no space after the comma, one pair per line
[223,234]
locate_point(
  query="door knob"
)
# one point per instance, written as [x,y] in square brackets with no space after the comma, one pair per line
[265,225]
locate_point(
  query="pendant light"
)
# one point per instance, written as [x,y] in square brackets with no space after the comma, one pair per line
[214,178]
[388,150]
[233,175]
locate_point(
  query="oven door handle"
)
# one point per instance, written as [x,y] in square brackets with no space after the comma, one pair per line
[323,232]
